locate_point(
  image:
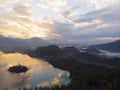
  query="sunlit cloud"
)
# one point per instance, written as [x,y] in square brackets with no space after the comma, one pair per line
[51,3]
[108,38]
[99,3]
[19,21]
[53,19]
[54,6]
[68,15]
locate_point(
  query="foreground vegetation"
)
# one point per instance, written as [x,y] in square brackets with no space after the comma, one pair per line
[88,76]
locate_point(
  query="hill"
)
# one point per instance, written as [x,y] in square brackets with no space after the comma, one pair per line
[9,45]
[46,51]
[16,42]
[53,50]
[112,46]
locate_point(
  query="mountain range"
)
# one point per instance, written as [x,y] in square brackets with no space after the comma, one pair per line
[17,42]
[8,42]
[112,46]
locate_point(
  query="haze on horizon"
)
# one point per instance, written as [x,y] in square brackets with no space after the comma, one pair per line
[73,21]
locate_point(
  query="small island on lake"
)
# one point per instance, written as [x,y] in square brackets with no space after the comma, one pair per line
[18,69]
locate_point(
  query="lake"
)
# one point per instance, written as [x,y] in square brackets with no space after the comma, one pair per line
[40,73]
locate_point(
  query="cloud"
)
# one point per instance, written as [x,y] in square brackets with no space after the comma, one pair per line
[109,54]
[15,21]
[15,24]
[22,9]
[99,3]
[48,4]
[63,23]
[4,3]
[69,14]
[102,23]
[57,29]
[56,7]
[108,38]
[19,22]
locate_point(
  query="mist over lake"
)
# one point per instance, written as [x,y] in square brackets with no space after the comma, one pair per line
[109,54]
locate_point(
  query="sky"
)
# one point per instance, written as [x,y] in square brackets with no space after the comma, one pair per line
[73,21]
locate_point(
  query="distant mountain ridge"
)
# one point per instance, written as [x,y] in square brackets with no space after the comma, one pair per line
[112,46]
[17,42]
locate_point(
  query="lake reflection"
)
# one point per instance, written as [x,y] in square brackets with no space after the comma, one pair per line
[40,73]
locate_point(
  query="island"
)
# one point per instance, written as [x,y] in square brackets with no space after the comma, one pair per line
[18,69]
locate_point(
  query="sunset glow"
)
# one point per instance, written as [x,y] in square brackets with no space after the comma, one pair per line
[67,20]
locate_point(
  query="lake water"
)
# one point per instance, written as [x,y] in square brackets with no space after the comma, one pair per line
[40,73]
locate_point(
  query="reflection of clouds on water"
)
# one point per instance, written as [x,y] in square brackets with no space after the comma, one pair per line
[1,52]
[39,72]
[13,59]
[61,78]
[2,66]
[4,79]
[22,81]
[8,80]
